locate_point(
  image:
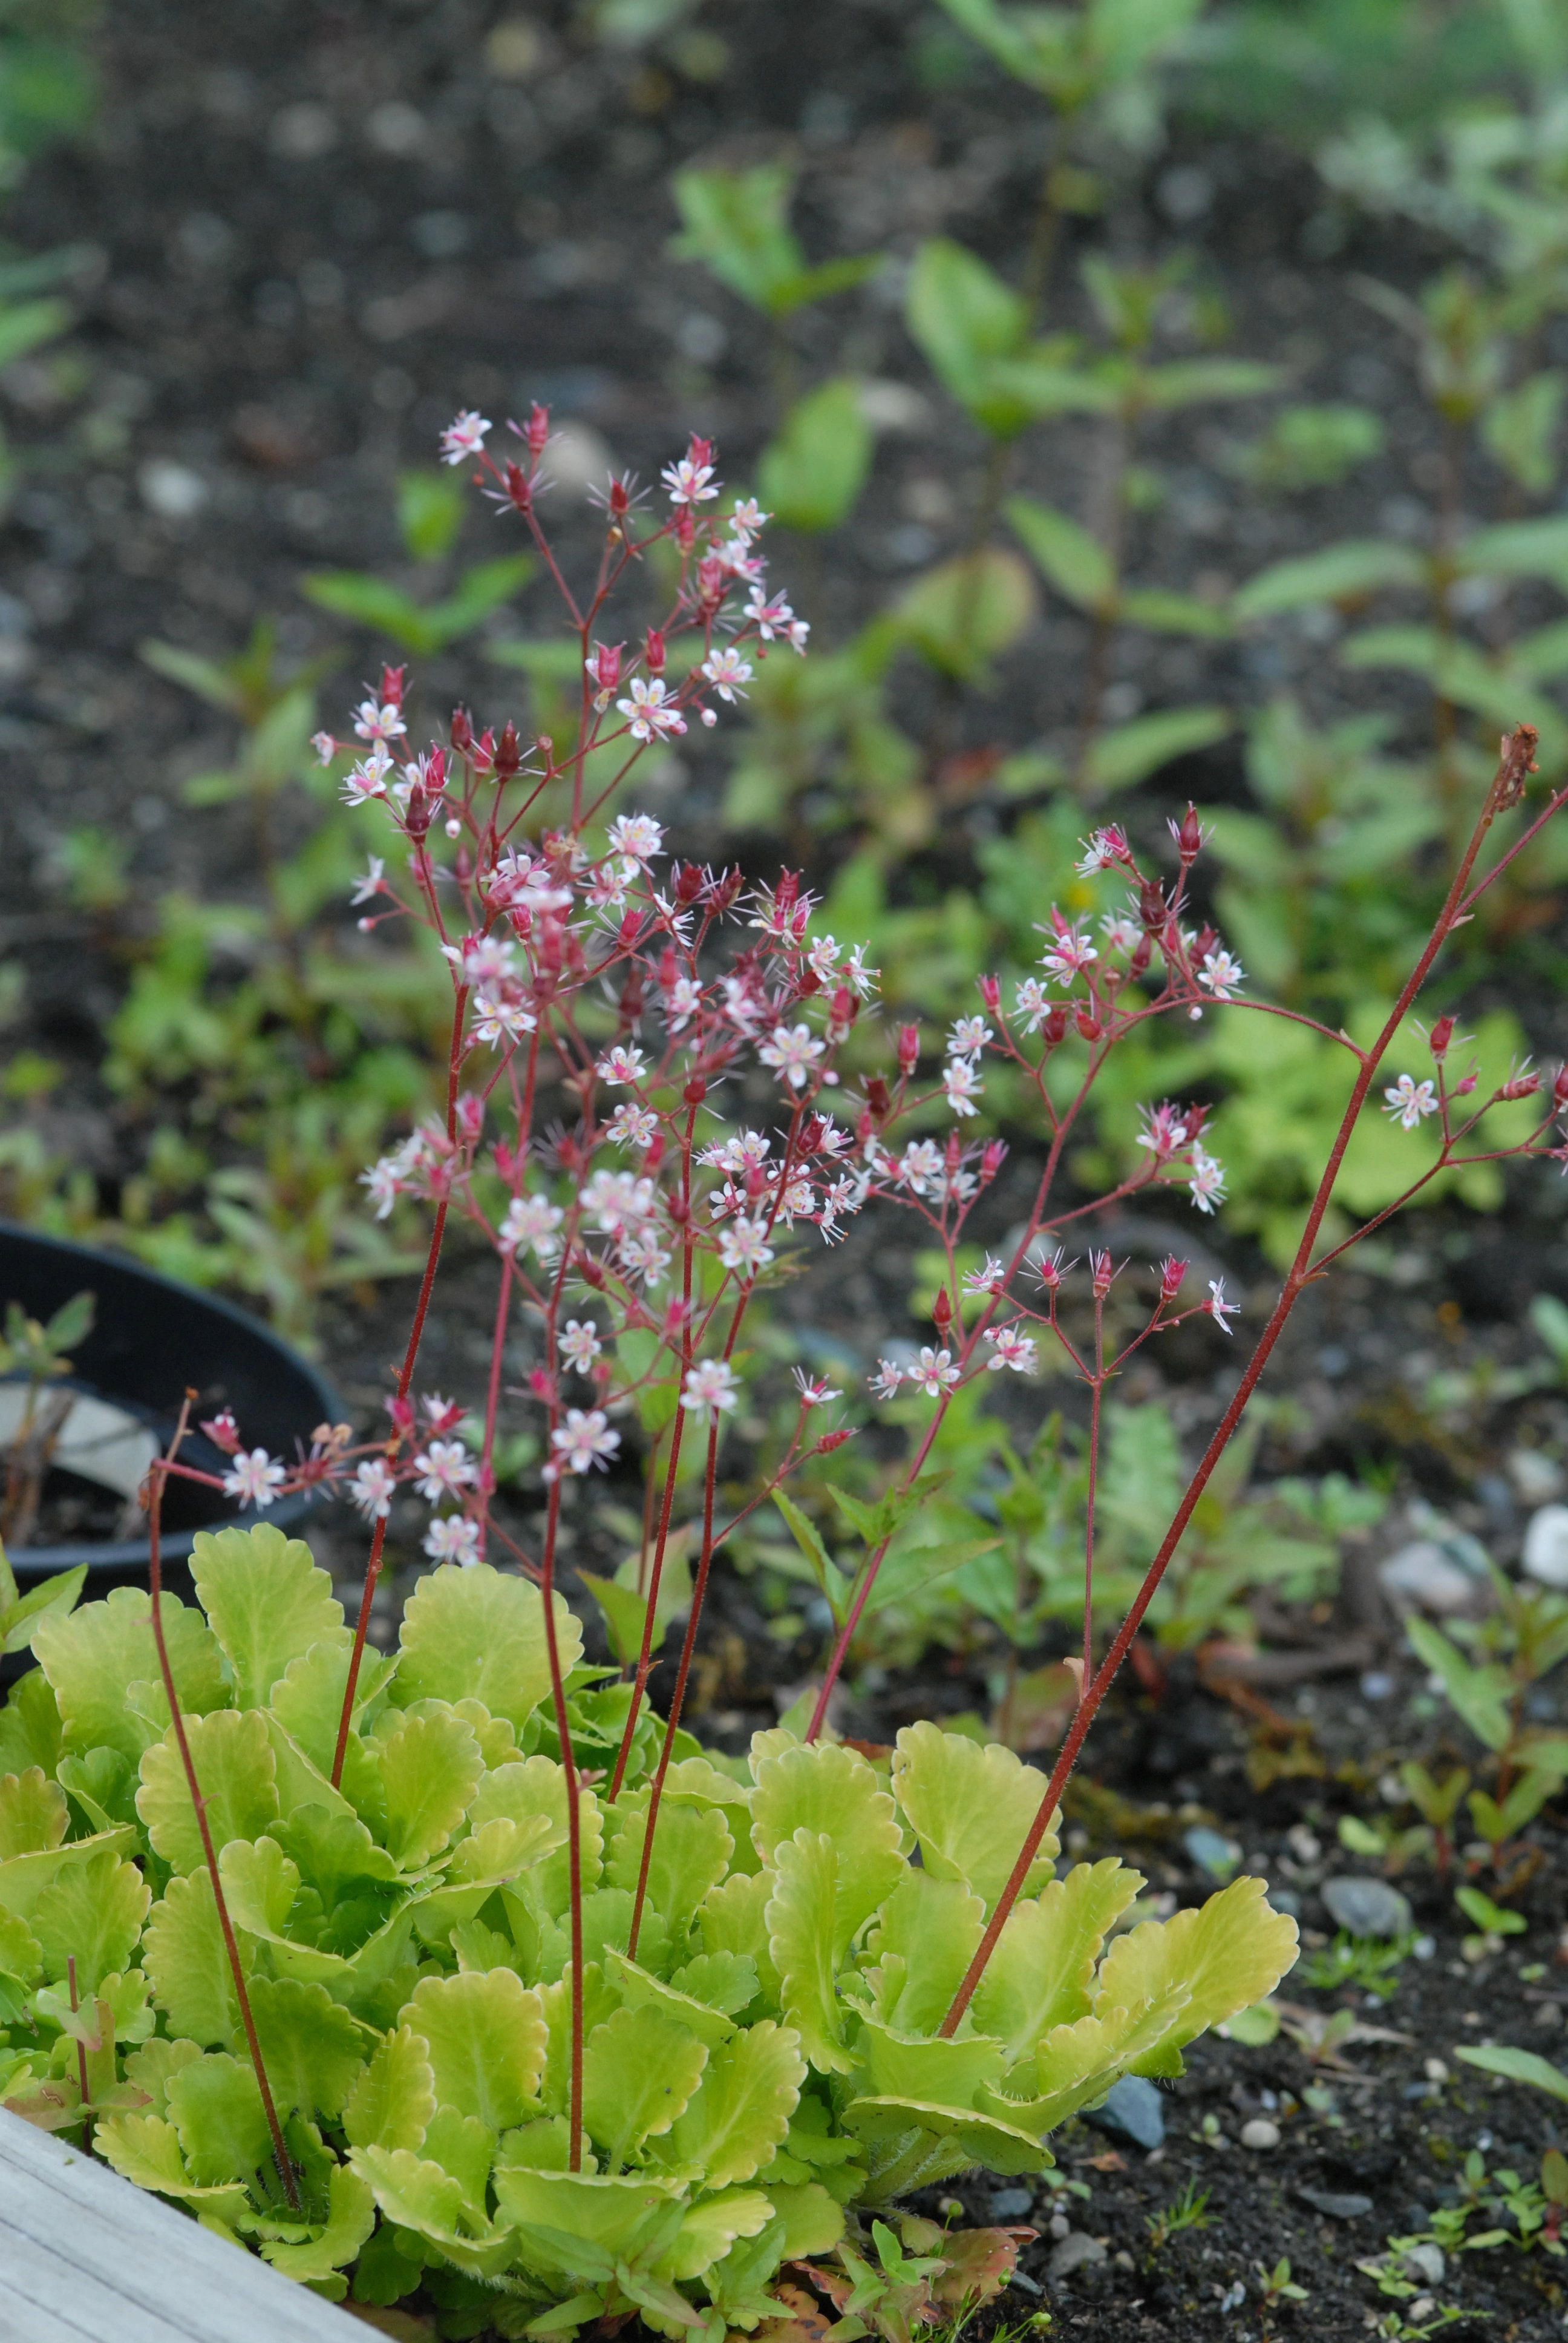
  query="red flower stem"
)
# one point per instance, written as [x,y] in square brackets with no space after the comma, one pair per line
[1097,1389]
[1506,788]
[405,1378]
[573,1821]
[81,2057]
[155,1577]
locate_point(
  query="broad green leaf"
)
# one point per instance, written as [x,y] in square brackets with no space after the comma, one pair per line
[1066,554]
[1517,2066]
[420,2196]
[486,2036]
[625,1610]
[150,2067]
[823,1788]
[90,1658]
[741,2110]
[1346,572]
[733,1924]
[691,1852]
[333,1851]
[267,1601]
[737,224]
[720,1981]
[260,1885]
[1039,1974]
[30,1728]
[1517,548]
[639,2070]
[1520,428]
[1172,614]
[351,2217]
[307,1700]
[234,1764]
[800,1916]
[965,319]
[146,2149]
[55,1598]
[1480,1694]
[466,2147]
[639,1989]
[21,1957]
[184,1954]
[810,476]
[929,2143]
[1188,381]
[570,2219]
[215,2108]
[711,2228]
[910,2066]
[1076,2065]
[314,2051]
[103,1782]
[430,1764]
[32,1812]
[394,2098]
[478,1634]
[910,1566]
[970,1808]
[94,1913]
[432,510]
[967,611]
[926,1936]
[1225,1956]
[1128,753]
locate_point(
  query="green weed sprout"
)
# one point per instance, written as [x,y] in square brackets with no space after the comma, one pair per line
[463,1961]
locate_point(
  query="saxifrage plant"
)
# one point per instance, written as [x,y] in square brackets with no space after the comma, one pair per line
[530,1992]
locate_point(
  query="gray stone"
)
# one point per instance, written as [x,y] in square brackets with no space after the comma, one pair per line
[1076,2251]
[1132,2110]
[1428,1575]
[1009,2204]
[1282,1899]
[1366,1907]
[1334,2206]
[1260,2133]
[1546,1547]
[1426,2261]
[1211,1853]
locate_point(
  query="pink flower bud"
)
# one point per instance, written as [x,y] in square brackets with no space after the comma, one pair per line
[653,651]
[990,993]
[877,1100]
[1464,1087]
[461,732]
[1102,1273]
[1087,1023]
[536,430]
[418,812]
[1522,1086]
[992,1158]
[831,1439]
[588,1270]
[1171,1273]
[223,1432]
[509,754]
[392,686]
[1441,1036]
[653,1155]
[470,1118]
[1054,1025]
[696,1090]
[542,1384]
[401,1411]
[909,1049]
[941,1311]
[1190,836]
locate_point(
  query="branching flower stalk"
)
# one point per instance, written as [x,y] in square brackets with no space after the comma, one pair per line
[633,1231]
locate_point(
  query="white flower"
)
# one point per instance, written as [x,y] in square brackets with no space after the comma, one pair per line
[531,1222]
[1121,934]
[1408,1100]
[1208,1180]
[367,779]
[681,1003]
[742,1245]
[919,1166]
[770,619]
[727,671]
[465,437]
[617,1200]
[861,979]
[374,722]
[632,1126]
[453,1540]
[253,1478]
[1105,848]
[501,1017]
[687,482]
[584,1440]
[823,959]
[641,1254]
[580,1343]
[367,889]
[798,1197]
[1221,974]
[374,1482]
[1032,1004]
[621,1065]
[1217,1307]
[651,713]
[1069,955]
[743,1151]
[710,1387]
[968,1036]
[933,1372]
[325,745]
[748,520]
[987,1279]
[886,1380]
[961,1081]
[793,1052]
[384,1179]
[482,959]
[447,1470]
[814,1393]
[1165,1132]
[637,835]
[1011,1349]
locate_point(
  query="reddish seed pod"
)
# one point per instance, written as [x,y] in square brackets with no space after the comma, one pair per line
[392,685]
[811,1134]
[725,889]
[909,1048]
[509,754]
[878,1102]
[619,500]
[1053,1024]
[696,1090]
[678,1209]
[505,1162]
[653,651]
[941,1311]
[1190,836]
[831,1439]
[1441,1036]
[536,430]
[418,812]
[461,732]
[1522,1086]
[953,1152]
[1151,904]
[1194,1117]
[1087,1023]
[1171,1273]
[844,1007]
[630,928]
[688,883]
[588,1270]
[542,1384]
[519,495]
[470,1118]
[1204,942]
[990,993]
[992,1158]
[1101,1271]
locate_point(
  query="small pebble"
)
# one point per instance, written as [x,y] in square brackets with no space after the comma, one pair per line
[1366,1907]
[1076,2251]
[1427,2262]
[1546,1547]
[1334,2206]
[1216,1855]
[1260,2133]
[1132,2109]
[1427,1574]
[1060,2227]
[1009,2204]
[1435,2071]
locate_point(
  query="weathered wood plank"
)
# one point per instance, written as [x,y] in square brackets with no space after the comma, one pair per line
[85,2257]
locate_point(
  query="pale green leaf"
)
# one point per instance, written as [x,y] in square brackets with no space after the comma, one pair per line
[925,2067]
[146,2149]
[232,1756]
[639,1989]
[970,1808]
[1230,1952]
[184,1954]
[479,1634]
[800,1941]
[92,1913]
[967,611]
[639,2070]
[1344,572]
[926,1933]
[1516,2065]
[485,2033]
[92,1656]
[1039,1975]
[351,2217]
[584,2215]
[430,1764]
[419,2195]
[691,1851]
[1066,554]
[150,2067]
[741,2108]
[216,2106]
[811,473]
[536,1786]
[394,2098]
[32,1812]
[711,2228]
[312,2050]
[267,1601]
[1128,753]
[26,1877]
[30,1728]
[1480,1694]
[307,1699]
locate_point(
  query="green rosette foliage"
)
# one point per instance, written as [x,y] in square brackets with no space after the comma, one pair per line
[767,2066]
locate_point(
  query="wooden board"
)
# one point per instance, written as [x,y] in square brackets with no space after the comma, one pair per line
[87,2257]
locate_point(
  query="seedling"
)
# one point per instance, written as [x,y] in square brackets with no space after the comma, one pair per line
[1188,2211]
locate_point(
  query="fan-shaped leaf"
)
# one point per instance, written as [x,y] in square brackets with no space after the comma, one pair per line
[92,1656]
[639,2070]
[267,1601]
[235,1766]
[485,2033]
[476,1633]
[394,2098]
[970,1808]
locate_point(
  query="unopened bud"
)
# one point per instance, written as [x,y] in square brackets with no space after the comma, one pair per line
[587,1268]
[696,1090]
[1087,1023]
[1102,1273]
[1151,905]
[1204,942]
[831,1439]
[416,813]
[1141,957]
[653,1155]
[470,1118]
[1190,836]
[392,685]
[1171,1273]
[653,651]
[509,754]
[461,732]
[812,1132]
[542,1384]
[1053,1024]
[909,1048]
[941,1311]
[401,1411]
[992,1157]
[536,430]
[688,883]
[990,993]
[1522,1086]
[1441,1036]
[685,529]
